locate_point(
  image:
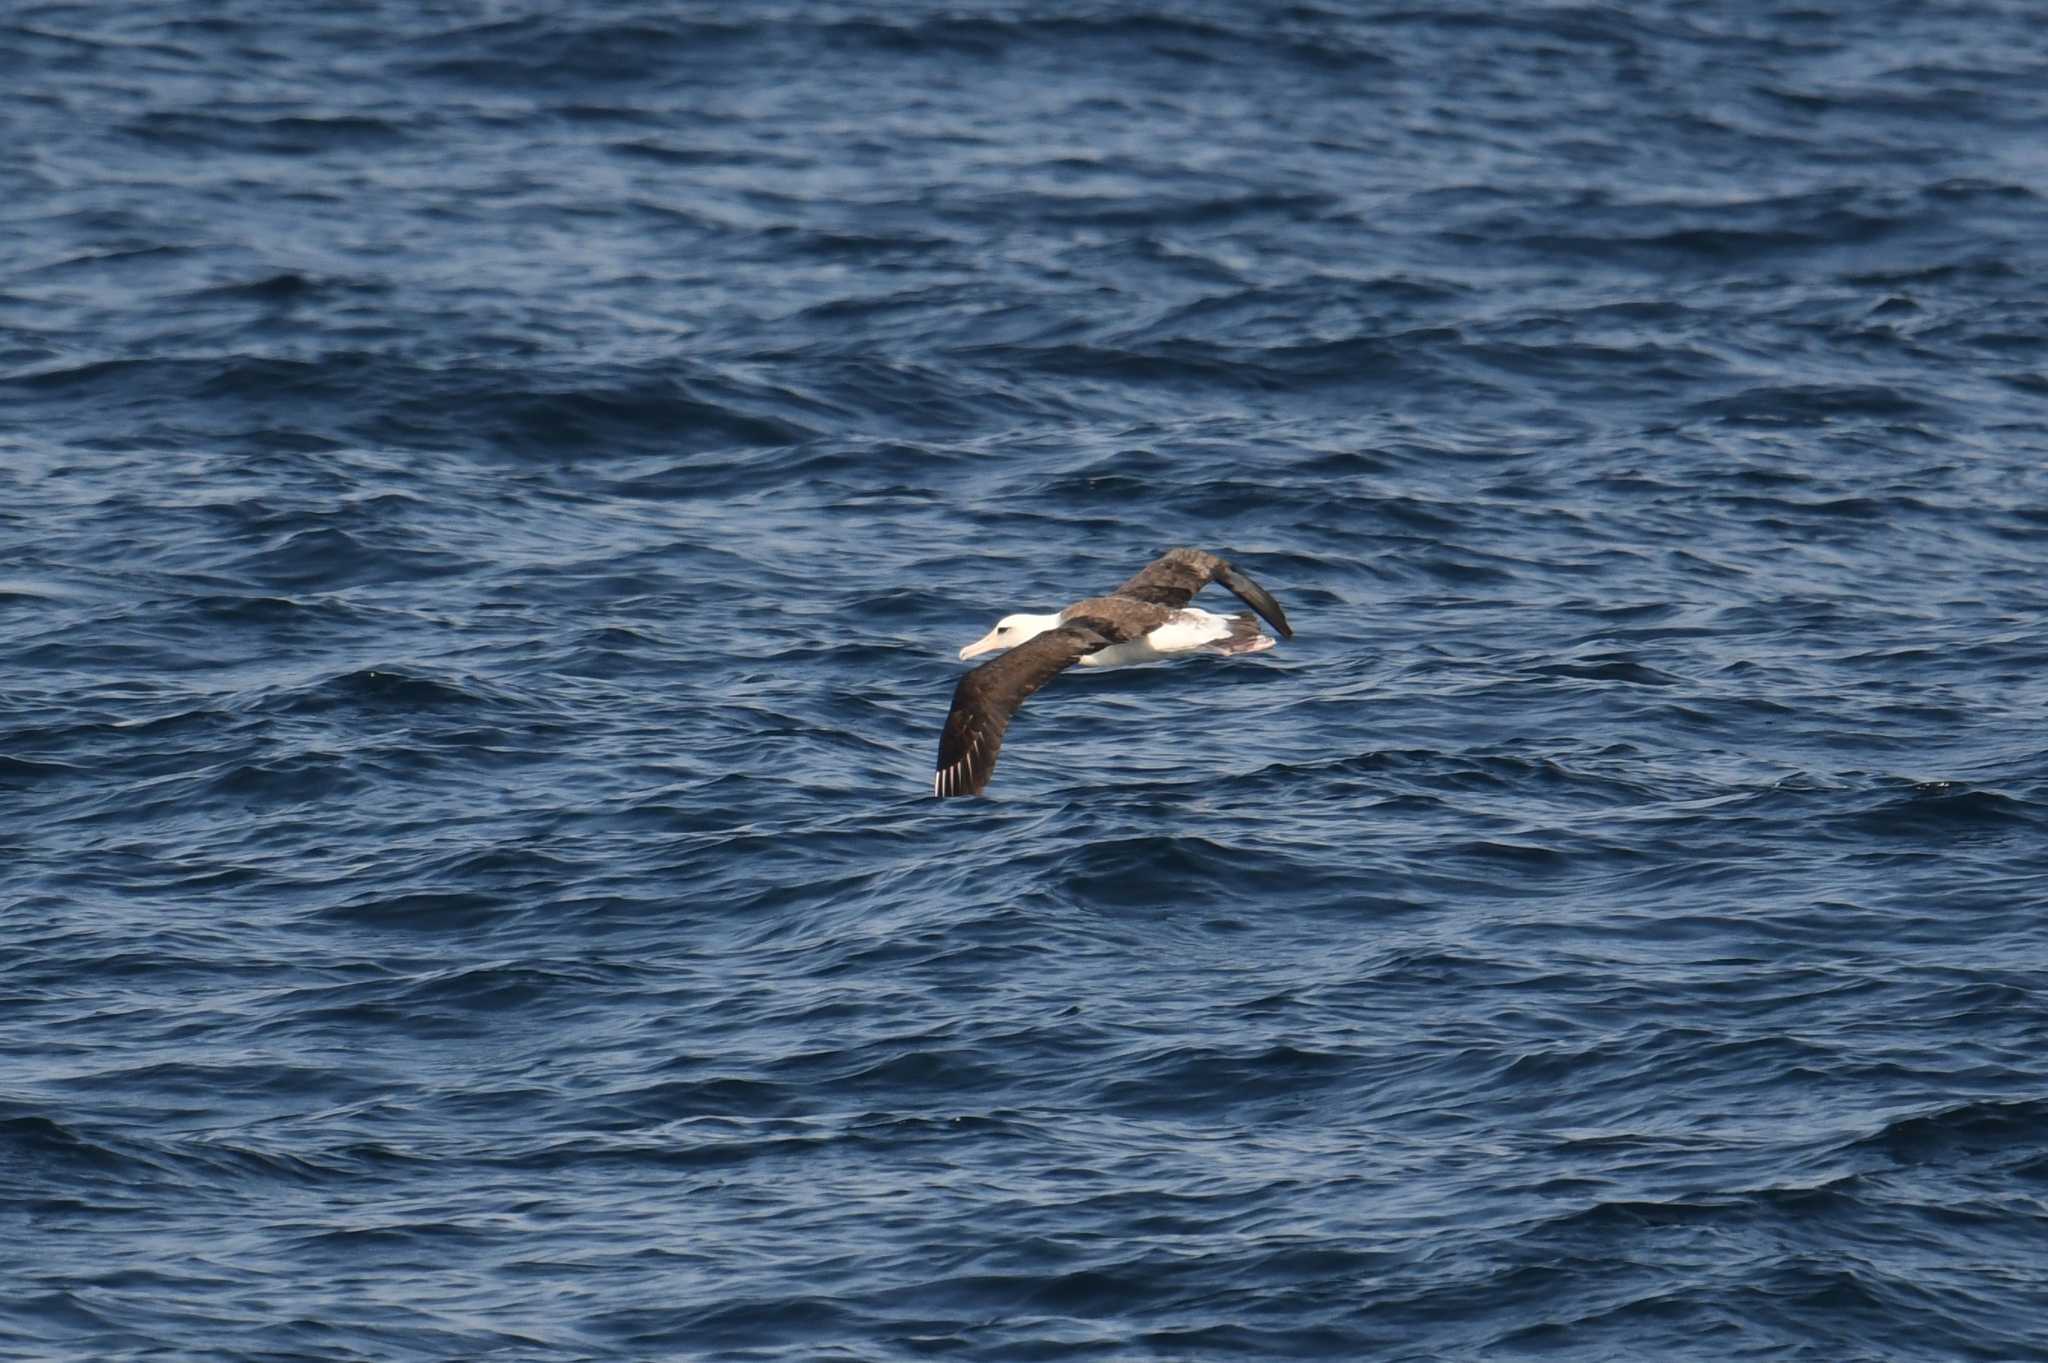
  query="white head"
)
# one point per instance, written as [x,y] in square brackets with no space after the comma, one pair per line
[1009,632]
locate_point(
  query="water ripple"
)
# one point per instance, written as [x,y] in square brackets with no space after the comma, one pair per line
[493,496]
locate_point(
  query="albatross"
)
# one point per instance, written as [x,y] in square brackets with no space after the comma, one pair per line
[1145,619]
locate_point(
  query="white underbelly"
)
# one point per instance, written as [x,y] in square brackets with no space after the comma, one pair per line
[1184,633]
[1123,655]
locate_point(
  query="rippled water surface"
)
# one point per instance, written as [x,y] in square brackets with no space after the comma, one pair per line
[491,493]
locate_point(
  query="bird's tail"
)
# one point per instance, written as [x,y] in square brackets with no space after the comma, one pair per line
[1244,637]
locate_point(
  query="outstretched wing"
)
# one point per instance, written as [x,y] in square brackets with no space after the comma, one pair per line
[1174,577]
[990,694]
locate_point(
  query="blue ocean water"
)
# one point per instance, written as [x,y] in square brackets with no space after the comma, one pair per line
[491,493]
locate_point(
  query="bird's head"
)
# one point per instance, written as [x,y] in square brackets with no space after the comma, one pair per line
[1009,632]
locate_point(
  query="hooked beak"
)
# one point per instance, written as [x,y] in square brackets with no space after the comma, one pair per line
[985,644]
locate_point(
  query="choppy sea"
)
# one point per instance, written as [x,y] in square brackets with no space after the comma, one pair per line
[491,493]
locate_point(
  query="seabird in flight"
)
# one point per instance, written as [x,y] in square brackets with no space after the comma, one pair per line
[1144,620]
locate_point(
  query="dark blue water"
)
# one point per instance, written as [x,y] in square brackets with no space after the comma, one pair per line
[490,494]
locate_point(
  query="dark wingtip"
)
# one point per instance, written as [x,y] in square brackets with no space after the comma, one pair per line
[972,738]
[1255,596]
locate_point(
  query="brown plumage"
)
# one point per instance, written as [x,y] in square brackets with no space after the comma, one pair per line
[988,696]
[1175,576]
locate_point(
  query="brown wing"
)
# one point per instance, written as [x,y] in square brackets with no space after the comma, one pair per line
[1172,579]
[1175,576]
[990,694]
